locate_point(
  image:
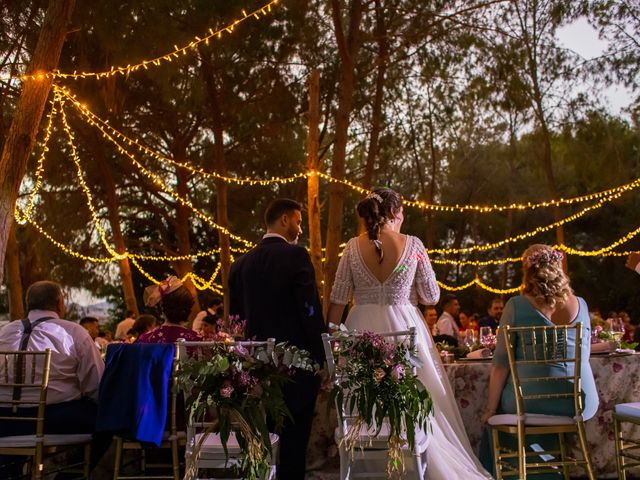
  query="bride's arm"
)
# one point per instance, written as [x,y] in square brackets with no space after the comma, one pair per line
[335,313]
[342,289]
[425,282]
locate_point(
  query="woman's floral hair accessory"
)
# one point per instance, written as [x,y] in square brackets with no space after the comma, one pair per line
[540,258]
[154,293]
[376,197]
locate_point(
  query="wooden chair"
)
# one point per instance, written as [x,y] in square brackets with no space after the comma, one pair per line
[173,439]
[29,371]
[543,347]
[627,455]
[369,447]
[211,454]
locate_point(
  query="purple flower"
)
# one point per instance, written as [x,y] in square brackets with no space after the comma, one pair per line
[397,372]
[241,351]
[226,390]
[243,379]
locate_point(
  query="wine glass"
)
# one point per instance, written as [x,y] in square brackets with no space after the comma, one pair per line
[486,339]
[616,329]
[469,338]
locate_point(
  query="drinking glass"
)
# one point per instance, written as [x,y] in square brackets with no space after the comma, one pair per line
[616,329]
[485,337]
[469,338]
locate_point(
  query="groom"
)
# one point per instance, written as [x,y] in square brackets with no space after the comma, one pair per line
[273,288]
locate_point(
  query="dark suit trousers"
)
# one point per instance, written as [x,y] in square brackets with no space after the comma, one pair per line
[300,397]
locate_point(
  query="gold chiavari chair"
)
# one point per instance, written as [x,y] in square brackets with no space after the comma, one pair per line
[369,447]
[29,373]
[174,438]
[539,349]
[627,449]
[205,449]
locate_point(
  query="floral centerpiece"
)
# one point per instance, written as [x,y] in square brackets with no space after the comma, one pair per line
[234,389]
[374,380]
[599,335]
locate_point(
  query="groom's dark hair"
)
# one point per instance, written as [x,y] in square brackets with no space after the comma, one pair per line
[279,207]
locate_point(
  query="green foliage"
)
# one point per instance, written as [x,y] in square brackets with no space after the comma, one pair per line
[238,390]
[376,384]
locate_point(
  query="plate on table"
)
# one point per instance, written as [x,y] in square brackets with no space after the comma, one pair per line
[615,353]
[484,359]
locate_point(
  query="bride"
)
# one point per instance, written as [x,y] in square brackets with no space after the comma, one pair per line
[386,273]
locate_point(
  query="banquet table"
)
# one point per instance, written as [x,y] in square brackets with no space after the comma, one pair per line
[617,381]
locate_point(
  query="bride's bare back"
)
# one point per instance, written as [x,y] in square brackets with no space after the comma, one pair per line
[393,245]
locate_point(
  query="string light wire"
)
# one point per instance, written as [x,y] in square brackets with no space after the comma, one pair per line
[157,61]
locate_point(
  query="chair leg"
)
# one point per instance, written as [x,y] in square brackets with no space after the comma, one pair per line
[419,467]
[87,460]
[118,461]
[38,466]
[345,464]
[522,454]
[175,459]
[617,427]
[563,454]
[582,435]
[495,441]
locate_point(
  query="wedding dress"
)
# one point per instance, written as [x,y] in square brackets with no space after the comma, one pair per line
[391,306]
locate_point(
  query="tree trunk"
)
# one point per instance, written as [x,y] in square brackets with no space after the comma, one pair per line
[376,113]
[14,279]
[313,182]
[537,97]
[118,239]
[431,229]
[183,229]
[26,120]
[347,48]
[220,166]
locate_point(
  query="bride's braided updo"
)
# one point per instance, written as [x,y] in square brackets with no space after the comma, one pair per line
[376,209]
[543,277]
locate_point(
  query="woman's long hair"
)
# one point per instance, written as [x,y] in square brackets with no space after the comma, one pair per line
[376,209]
[543,277]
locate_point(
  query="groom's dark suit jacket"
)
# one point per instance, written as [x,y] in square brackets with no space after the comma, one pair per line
[273,288]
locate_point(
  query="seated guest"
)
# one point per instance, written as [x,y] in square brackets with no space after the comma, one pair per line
[209,329]
[431,318]
[494,312]
[215,307]
[144,323]
[464,323]
[103,340]
[125,325]
[92,326]
[629,328]
[75,371]
[175,302]
[447,324]
[546,300]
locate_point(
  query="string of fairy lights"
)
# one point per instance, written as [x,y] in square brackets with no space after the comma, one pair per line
[58,108]
[114,133]
[124,144]
[177,51]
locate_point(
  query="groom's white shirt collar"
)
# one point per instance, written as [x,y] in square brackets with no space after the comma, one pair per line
[274,235]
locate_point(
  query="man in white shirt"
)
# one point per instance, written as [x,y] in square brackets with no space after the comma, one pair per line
[75,372]
[125,325]
[431,318]
[447,322]
[215,308]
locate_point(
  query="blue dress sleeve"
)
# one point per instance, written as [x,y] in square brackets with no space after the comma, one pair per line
[500,357]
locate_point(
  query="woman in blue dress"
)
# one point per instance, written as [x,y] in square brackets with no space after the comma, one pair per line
[546,300]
